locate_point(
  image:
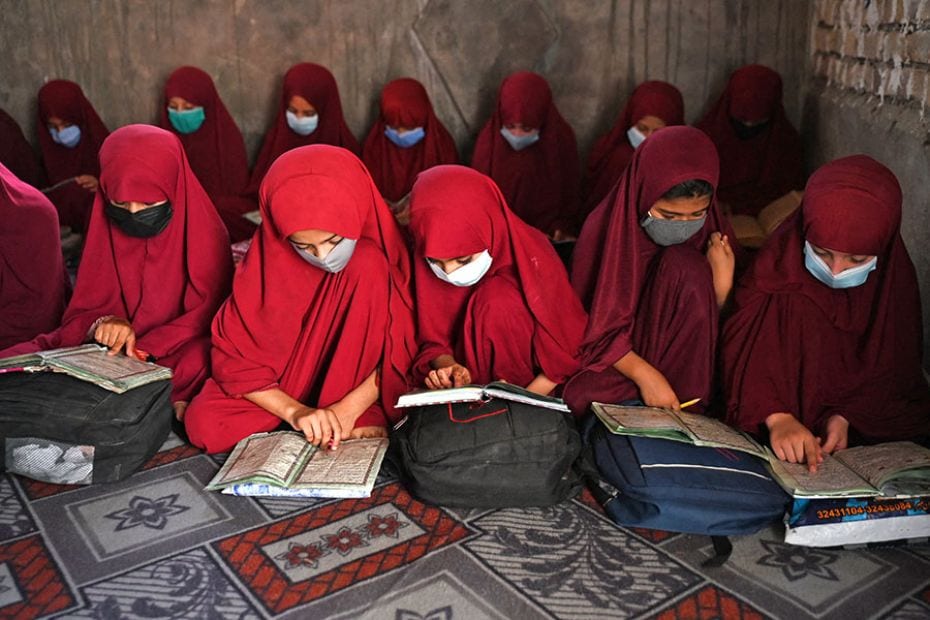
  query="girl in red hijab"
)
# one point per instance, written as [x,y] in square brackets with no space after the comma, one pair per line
[70,135]
[825,341]
[318,332]
[405,140]
[760,152]
[654,264]
[653,105]
[493,299]
[16,153]
[530,152]
[156,263]
[194,112]
[32,274]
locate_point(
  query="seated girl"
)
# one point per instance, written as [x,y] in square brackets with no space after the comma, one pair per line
[318,334]
[156,264]
[654,264]
[493,299]
[824,347]
[530,152]
[652,106]
[406,139]
[33,282]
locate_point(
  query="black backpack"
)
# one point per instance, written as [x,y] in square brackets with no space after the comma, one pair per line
[59,429]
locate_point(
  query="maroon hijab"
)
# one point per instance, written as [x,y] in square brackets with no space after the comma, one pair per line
[455,211]
[612,152]
[757,170]
[318,86]
[216,151]
[796,345]
[613,253]
[540,182]
[257,334]
[404,103]
[16,153]
[66,100]
[32,285]
[168,286]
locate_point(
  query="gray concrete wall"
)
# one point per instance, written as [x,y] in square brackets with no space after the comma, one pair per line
[593,52]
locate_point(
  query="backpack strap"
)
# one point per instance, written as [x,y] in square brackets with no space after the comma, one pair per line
[722,550]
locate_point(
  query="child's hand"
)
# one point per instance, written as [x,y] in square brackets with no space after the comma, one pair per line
[837,434]
[321,427]
[792,442]
[454,375]
[115,333]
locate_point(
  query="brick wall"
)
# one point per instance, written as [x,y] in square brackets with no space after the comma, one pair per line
[875,47]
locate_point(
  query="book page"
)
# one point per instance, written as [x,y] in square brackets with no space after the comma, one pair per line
[623,417]
[355,463]
[464,394]
[270,455]
[880,462]
[97,362]
[515,393]
[831,479]
[708,431]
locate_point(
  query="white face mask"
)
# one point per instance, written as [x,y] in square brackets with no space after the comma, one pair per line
[635,136]
[466,275]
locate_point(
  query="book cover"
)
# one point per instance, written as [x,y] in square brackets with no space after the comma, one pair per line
[474,393]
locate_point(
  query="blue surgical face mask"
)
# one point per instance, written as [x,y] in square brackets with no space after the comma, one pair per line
[467,274]
[186,121]
[304,125]
[67,137]
[848,278]
[671,232]
[518,143]
[407,139]
[635,136]
[335,261]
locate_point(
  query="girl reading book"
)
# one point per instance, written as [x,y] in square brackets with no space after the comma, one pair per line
[824,347]
[493,299]
[318,333]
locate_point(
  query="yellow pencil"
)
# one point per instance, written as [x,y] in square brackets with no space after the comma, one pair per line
[693,401]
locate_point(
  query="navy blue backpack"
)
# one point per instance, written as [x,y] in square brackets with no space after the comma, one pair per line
[678,487]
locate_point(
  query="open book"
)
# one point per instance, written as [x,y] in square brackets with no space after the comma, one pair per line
[284,464]
[474,393]
[692,428]
[753,231]
[91,363]
[894,469]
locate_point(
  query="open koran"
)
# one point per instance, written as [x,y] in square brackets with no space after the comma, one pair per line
[893,469]
[91,363]
[661,423]
[475,393]
[284,464]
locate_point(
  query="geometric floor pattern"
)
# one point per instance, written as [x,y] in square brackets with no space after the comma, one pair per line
[158,546]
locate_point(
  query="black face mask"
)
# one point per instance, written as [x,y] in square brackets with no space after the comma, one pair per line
[145,223]
[746,132]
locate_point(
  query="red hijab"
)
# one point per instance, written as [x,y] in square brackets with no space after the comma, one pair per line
[16,153]
[613,253]
[216,151]
[255,332]
[318,86]
[541,182]
[455,211]
[796,345]
[32,285]
[612,152]
[66,100]
[404,103]
[755,171]
[168,286]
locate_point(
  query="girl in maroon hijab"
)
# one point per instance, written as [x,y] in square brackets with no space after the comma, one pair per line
[156,263]
[825,341]
[654,265]
[32,284]
[318,332]
[493,299]
[760,152]
[194,112]
[16,153]
[653,105]
[530,152]
[405,140]
[70,135]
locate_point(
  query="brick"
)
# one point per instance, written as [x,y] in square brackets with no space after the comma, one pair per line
[826,39]
[917,46]
[827,10]
[850,45]
[893,44]
[871,46]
